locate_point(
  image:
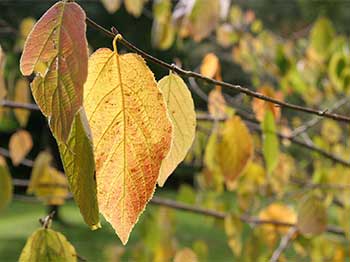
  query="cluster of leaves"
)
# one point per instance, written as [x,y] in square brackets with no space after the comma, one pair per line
[120,132]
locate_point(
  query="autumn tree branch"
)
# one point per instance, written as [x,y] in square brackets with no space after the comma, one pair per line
[285,240]
[113,33]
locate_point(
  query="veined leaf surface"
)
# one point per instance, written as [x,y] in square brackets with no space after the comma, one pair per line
[47,245]
[56,50]
[79,165]
[131,131]
[183,116]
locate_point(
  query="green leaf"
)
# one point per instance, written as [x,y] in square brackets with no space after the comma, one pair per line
[79,165]
[6,187]
[322,35]
[270,142]
[47,245]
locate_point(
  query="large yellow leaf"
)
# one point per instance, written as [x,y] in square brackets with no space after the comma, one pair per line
[6,187]
[230,150]
[79,165]
[56,49]
[183,116]
[22,95]
[47,245]
[131,132]
[20,144]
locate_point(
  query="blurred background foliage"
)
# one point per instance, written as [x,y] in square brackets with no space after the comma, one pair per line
[295,50]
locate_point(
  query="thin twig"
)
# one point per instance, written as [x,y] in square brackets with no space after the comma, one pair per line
[237,88]
[25,162]
[13,104]
[283,244]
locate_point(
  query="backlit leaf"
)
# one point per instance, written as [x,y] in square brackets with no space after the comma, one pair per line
[47,183]
[276,212]
[270,142]
[79,165]
[134,7]
[185,255]
[22,95]
[210,66]
[20,144]
[56,50]
[183,116]
[111,5]
[47,245]
[232,150]
[131,132]
[6,187]
[312,216]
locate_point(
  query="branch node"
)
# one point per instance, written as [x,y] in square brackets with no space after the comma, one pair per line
[46,221]
[114,30]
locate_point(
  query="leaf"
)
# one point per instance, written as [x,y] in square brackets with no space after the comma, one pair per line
[276,212]
[260,106]
[47,245]
[56,50]
[270,142]
[134,7]
[185,255]
[183,116]
[131,133]
[312,216]
[210,66]
[234,230]
[22,95]
[25,27]
[111,5]
[20,145]
[231,152]
[216,103]
[321,36]
[163,29]
[203,19]
[3,90]
[47,183]
[79,165]
[6,186]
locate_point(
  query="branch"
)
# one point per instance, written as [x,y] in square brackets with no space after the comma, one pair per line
[25,162]
[283,244]
[237,88]
[13,104]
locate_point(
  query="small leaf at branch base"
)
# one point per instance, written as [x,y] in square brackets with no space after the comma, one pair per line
[20,144]
[6,187]
[79,165]
[56,49]
[47,245]
[270,142]
[312,216]
[131,132]
[183,116]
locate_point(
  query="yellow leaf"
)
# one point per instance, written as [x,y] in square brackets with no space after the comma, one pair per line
[131,131]
[134,7]
[56,50]
[47,183]
[79,165]
[5,185]
[20,145]
[185,255]
[111,5]
[3,90]
[231,152]
[183,116]
[216,103]
[280,213]
[312,216]
[210,65]
[22,95]
[233,230]
[47,245]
